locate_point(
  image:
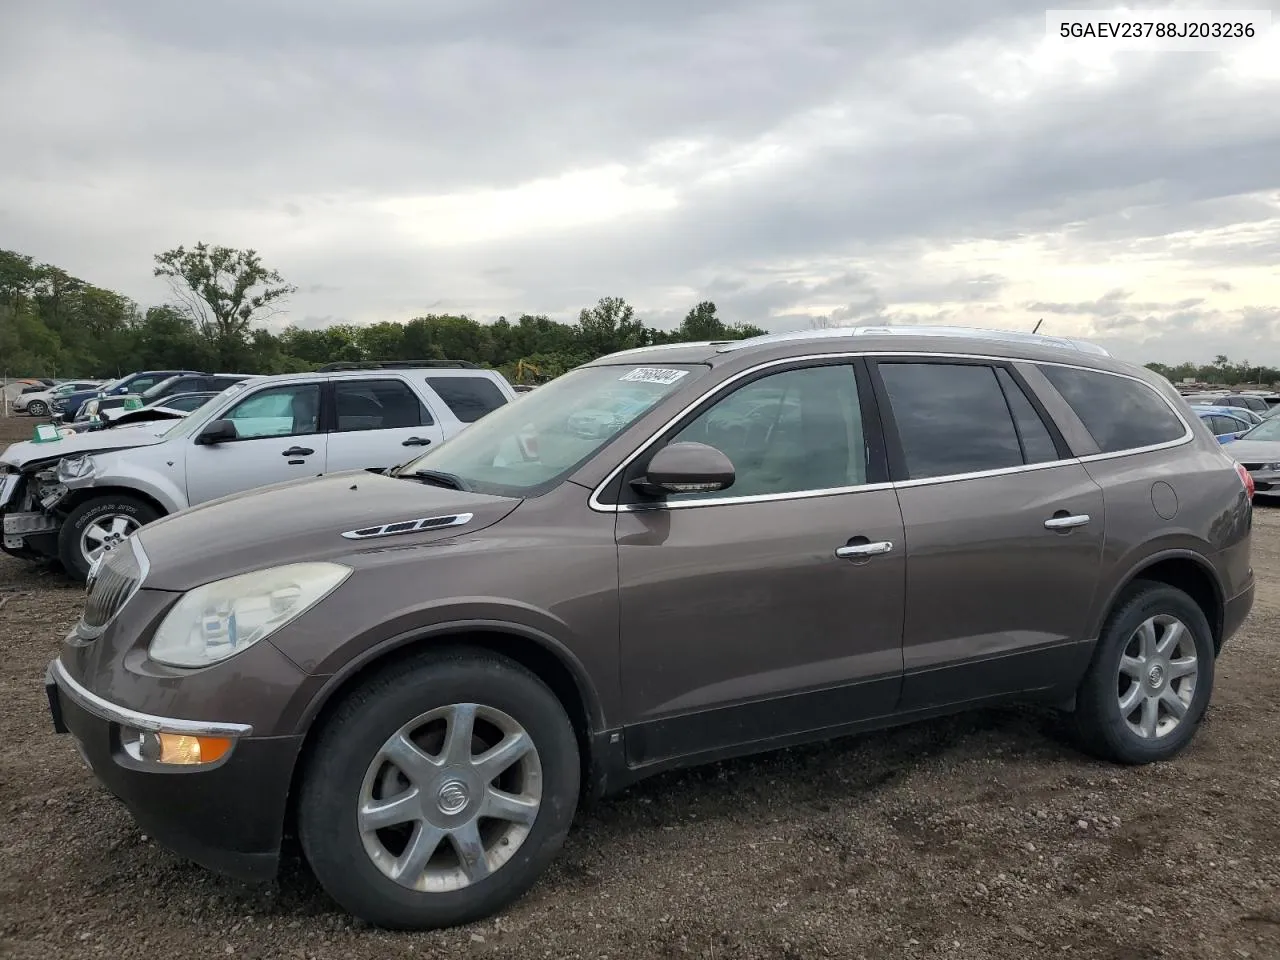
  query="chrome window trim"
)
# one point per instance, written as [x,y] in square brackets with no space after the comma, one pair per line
[114,713]
[848,356]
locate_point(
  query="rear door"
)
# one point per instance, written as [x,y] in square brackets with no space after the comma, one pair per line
[279,438]
[377,422]
[1004,531]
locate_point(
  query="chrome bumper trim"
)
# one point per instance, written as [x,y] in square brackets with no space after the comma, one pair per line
[105,710]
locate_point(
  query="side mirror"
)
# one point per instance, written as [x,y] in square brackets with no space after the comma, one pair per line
[219,431]
[687,468]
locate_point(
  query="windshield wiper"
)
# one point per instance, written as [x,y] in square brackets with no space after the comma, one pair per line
[439,478]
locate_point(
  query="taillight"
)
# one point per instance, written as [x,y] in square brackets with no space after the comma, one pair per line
[1245,479]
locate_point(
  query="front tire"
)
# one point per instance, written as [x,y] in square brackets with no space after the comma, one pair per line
[1147,688]
[37,408]
[98,525]
[439,790]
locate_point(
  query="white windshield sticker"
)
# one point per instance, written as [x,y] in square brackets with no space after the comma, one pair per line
[653,375]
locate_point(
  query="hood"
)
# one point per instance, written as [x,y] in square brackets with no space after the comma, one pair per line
[302,520]
[28,452]
[1255,451]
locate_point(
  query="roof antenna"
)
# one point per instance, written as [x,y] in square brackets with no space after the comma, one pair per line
[1037,326]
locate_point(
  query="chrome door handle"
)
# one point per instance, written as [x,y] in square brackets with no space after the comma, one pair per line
[1066,523]
[864,549]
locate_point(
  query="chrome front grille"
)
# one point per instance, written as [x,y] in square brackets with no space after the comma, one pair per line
[112,584]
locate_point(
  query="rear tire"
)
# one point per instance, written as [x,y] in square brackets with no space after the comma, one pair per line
[1145,693]
[369,804]
[37,408]
[106,520]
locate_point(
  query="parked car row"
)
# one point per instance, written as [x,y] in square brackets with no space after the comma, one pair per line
[665,557]
[166,408]
[38,401]
[82,494]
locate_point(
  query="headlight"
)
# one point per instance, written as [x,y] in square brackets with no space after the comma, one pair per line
[1270,467]
[76,468]
[220,619]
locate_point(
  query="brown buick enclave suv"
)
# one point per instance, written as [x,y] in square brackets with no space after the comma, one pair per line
[664,557]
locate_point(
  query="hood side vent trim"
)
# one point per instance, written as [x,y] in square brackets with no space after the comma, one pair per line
[409,526]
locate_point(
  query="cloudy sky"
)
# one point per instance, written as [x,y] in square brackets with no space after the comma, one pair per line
[934,161]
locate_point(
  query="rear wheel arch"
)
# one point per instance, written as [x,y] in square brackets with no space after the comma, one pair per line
[1184,570]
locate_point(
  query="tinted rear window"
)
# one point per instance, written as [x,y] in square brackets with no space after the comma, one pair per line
[1119,413]
[470,398]
[952,418]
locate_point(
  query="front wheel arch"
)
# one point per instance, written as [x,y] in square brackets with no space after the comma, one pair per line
[77,497]
[541,655]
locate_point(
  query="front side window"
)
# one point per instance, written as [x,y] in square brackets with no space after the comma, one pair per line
[1119,413]
[952,418]
[788,432]
[470,398]
[291,410]
[525,449]
[377,405]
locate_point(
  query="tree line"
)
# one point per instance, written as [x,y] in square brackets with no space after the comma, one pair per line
[1223,371]
[53,324]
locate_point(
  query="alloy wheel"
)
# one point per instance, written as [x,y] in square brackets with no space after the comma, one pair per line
[450,797]
[1156,680]
[104,533]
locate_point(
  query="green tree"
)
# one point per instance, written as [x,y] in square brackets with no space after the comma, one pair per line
[224,291]
[609,326]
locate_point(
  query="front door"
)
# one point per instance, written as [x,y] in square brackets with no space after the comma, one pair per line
[773,608]
[378,423]
[1004,533]
[279,438]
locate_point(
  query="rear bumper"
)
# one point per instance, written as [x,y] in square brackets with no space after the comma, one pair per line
[1235,611]
[227,817]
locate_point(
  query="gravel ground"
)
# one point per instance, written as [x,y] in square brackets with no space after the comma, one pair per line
[973,837]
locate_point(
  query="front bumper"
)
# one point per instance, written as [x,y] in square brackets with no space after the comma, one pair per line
[227,817]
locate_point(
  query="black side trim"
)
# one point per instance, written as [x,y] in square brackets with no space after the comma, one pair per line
[759,720]
[635,773]
[1054,667]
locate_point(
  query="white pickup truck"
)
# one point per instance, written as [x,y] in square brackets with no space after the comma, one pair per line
[75,497]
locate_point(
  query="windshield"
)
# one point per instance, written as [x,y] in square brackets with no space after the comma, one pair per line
[1266,430]
[524,449]
[109,385]
[188,425]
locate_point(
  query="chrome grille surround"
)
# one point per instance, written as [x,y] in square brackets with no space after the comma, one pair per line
[112,583]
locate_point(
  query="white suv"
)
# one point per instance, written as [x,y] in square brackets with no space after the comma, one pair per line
[78,496]
[38,402]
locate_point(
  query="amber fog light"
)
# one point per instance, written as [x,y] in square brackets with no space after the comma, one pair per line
[181,749]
